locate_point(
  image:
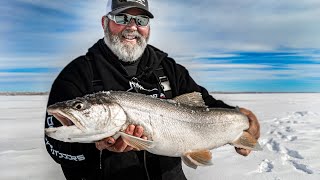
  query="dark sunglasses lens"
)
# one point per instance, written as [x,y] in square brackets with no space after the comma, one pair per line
[125,19]
[122,19]
[142,21]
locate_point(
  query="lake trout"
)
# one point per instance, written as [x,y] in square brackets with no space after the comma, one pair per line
[182,127]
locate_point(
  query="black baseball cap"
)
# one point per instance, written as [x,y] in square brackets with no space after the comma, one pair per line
[117,6]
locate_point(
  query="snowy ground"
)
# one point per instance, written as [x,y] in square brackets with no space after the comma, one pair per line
[290,136]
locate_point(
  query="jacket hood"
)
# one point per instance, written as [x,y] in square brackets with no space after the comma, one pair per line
[108,66]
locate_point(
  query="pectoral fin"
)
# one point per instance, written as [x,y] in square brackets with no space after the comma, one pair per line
[135,142]
[197,158]
[247,141]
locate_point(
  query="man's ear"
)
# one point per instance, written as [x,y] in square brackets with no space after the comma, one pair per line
[103,21]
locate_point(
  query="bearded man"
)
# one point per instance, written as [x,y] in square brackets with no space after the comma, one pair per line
[123,61]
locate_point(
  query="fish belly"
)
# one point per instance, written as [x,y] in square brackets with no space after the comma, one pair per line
[175,137]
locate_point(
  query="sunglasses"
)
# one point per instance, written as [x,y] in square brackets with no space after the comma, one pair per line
[125,19]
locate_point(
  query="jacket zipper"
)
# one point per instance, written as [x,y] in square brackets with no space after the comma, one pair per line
[145,164]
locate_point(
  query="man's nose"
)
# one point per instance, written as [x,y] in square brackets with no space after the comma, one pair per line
[132,25]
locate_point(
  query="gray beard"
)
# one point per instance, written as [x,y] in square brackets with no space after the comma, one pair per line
[126,52]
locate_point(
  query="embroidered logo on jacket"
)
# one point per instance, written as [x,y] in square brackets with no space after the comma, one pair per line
[138,88]
[63,155]
[49,121]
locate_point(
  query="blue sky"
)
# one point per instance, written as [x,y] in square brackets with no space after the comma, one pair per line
[227,45]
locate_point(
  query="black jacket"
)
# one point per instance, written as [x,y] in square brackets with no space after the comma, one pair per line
[84,161]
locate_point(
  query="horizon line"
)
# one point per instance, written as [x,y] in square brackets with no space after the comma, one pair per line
[212,92]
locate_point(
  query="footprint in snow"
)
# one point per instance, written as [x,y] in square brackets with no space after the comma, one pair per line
[265,166]
[302,113]
[286,137]
[292,153]
[291,138]
[273,145]
[288,129]
[287,158]
[301,167]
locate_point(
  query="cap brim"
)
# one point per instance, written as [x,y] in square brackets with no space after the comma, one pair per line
[119,10]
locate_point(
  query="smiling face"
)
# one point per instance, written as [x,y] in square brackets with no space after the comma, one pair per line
[127,42]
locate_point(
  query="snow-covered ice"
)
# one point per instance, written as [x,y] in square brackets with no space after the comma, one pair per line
[290,137]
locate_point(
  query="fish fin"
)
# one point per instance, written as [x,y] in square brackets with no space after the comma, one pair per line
[247,141]
[191,99]
[188,162]
[116,136]
[197,158]
[136,142]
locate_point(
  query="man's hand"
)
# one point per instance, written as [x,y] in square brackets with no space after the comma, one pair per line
[119,145]
[254,129]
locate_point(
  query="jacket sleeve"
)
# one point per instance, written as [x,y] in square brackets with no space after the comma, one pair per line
[185,84]
[67,154]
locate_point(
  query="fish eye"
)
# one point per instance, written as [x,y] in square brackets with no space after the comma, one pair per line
[78,105]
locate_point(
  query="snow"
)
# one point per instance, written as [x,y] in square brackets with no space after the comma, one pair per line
[290,137]
[22,151]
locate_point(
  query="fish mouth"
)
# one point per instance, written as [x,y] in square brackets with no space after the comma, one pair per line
[65,118]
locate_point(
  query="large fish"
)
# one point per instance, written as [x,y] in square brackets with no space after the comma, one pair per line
[183,127]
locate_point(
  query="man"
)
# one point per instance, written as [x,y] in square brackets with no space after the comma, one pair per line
[123,61]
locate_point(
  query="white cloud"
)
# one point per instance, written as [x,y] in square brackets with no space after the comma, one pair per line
[27,77]
[74,43]
[212,66]
[64,6]
[239,73]
[189,31]
[91,30]
[33,61]
[305,71]
[196,27]
[236,25]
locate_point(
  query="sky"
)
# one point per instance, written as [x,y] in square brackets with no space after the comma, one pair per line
[227,45]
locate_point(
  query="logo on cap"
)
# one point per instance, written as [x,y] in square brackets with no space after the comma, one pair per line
[142,2]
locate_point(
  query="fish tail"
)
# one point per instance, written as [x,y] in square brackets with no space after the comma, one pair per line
[247,141]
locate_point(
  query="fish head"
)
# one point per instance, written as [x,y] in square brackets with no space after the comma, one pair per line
[88,116]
